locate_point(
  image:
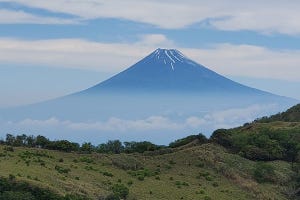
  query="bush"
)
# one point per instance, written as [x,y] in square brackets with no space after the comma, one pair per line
[264,172]
[107,174]
[222,137]
[129,183]
[62,170]
[86,160]
[10,189]
[112,197]
[215,184]
[120,191]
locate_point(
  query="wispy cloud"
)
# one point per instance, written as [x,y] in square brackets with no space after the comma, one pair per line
[21,17]
[227,59]
[261,16]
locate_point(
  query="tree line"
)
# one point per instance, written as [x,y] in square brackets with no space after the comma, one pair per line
[111,146]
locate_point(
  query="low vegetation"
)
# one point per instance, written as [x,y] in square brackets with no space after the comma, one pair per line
[259,160]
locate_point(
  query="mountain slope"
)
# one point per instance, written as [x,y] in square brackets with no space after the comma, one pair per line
[168,70]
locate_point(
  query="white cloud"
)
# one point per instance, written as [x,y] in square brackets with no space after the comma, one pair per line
[263,16]
[112,124]
[155,40]
[227,59]
[217,119]
[21,17]
[249,61]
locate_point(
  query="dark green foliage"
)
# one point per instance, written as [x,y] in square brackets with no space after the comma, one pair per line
[262,143]
[129,183]
[63,145]
[41,142]
[112,197]
[107,174]
[112,146]
[10,189]
[181,142]
[120,191]
[215,184]
[181,183]
[263,172]
[140,147]
[222,137]
[141,174]
[86,159]
[207,198]
[62,170]
[87,147]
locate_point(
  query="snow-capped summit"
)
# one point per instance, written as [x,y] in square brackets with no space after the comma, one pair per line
[168,57]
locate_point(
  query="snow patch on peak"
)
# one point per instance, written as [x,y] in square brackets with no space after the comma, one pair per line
[172,66]
[169,57]
[166,52]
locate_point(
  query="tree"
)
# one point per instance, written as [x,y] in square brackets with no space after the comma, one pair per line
[112,146]
[10,139]
[30,141]
[87,147]
[41,141]
[20,140]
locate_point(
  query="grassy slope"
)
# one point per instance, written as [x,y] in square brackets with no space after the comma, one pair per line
[201,167]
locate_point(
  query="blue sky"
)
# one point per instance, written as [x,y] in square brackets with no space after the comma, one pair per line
[52,48]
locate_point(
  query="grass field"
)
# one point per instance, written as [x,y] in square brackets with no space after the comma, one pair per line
[205,172]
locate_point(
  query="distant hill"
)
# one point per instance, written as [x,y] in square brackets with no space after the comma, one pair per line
[291,115]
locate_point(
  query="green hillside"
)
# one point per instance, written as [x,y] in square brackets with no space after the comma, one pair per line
[207,171]
[259,160]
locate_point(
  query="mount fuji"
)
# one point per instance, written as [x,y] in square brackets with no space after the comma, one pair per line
[163,93]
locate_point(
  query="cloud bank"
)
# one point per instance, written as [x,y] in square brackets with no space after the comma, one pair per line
[227,59]
[218,119]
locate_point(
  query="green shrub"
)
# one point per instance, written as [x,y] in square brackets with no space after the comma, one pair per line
[86,160]
[120,190]
[107,174]
[62,170]
[130,183]
[111,197]
[207,198]
[215,184]
[264,172]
